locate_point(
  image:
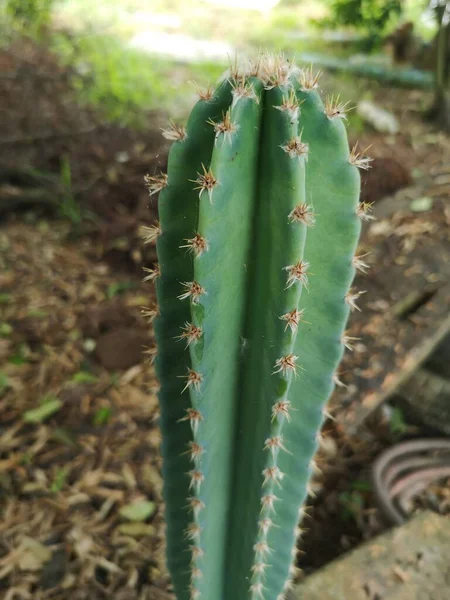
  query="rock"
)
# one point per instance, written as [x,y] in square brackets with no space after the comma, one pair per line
[385,177]
[425,399]
[121,348]
[411,562]
[380,119]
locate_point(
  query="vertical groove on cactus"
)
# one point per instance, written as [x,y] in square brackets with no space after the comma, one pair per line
[259,225]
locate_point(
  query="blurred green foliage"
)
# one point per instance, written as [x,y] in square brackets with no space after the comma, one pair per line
[372,17]
[29,16]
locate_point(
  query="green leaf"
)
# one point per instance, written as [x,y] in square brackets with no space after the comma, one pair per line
[102,416]
[140,510]
[48,408]
[5,329]
[84,377]
[59,480]
[119,287]
[5,298]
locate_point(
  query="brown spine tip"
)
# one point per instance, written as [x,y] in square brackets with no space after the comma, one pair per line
[292,319]
[197,478]
[297,273]
[257,590]
[347,341]
[155,183]
[290,106]
[286,364]
[272,475]
[338,382]
[152,274]
[359,264]
[193,290]
[226,127]
[352,297]
[296,148]
[150,234]
[242,89]
[262,549]
[264,525]
[358,159]
[175,133]
[277,71]
[196,552]
[335,109]
[268,503]
[196,505]
[281,409]
[193,379]
[150,313]
[191,333]
[196,573]
[194,593]
[363,211]
[195,450]
[205,182]
[274,444]
[205,95]
[308,80]
[259,568]
[302,213]
[195,418]
[193,531]
[197,245]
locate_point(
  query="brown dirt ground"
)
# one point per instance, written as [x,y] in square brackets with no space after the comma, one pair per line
[69,304]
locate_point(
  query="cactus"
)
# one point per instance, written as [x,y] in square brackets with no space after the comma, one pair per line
[259,223]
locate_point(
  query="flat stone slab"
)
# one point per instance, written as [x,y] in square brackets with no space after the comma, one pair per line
[411,562]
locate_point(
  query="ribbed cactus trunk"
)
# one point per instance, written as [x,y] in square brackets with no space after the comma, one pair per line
[259,225]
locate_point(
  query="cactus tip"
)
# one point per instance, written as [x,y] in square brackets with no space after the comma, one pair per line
[335,109]
[308,80]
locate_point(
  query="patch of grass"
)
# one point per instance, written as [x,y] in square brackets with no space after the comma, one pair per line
[59,480]
[84,377]
[4,382]
[5,329]
[21,355]
[119,287]
[49,405]
[124,83]
[102,416]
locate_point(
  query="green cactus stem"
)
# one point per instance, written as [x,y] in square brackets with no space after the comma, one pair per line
[259,224]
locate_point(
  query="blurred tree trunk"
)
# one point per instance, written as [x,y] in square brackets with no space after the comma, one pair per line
[440,110]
